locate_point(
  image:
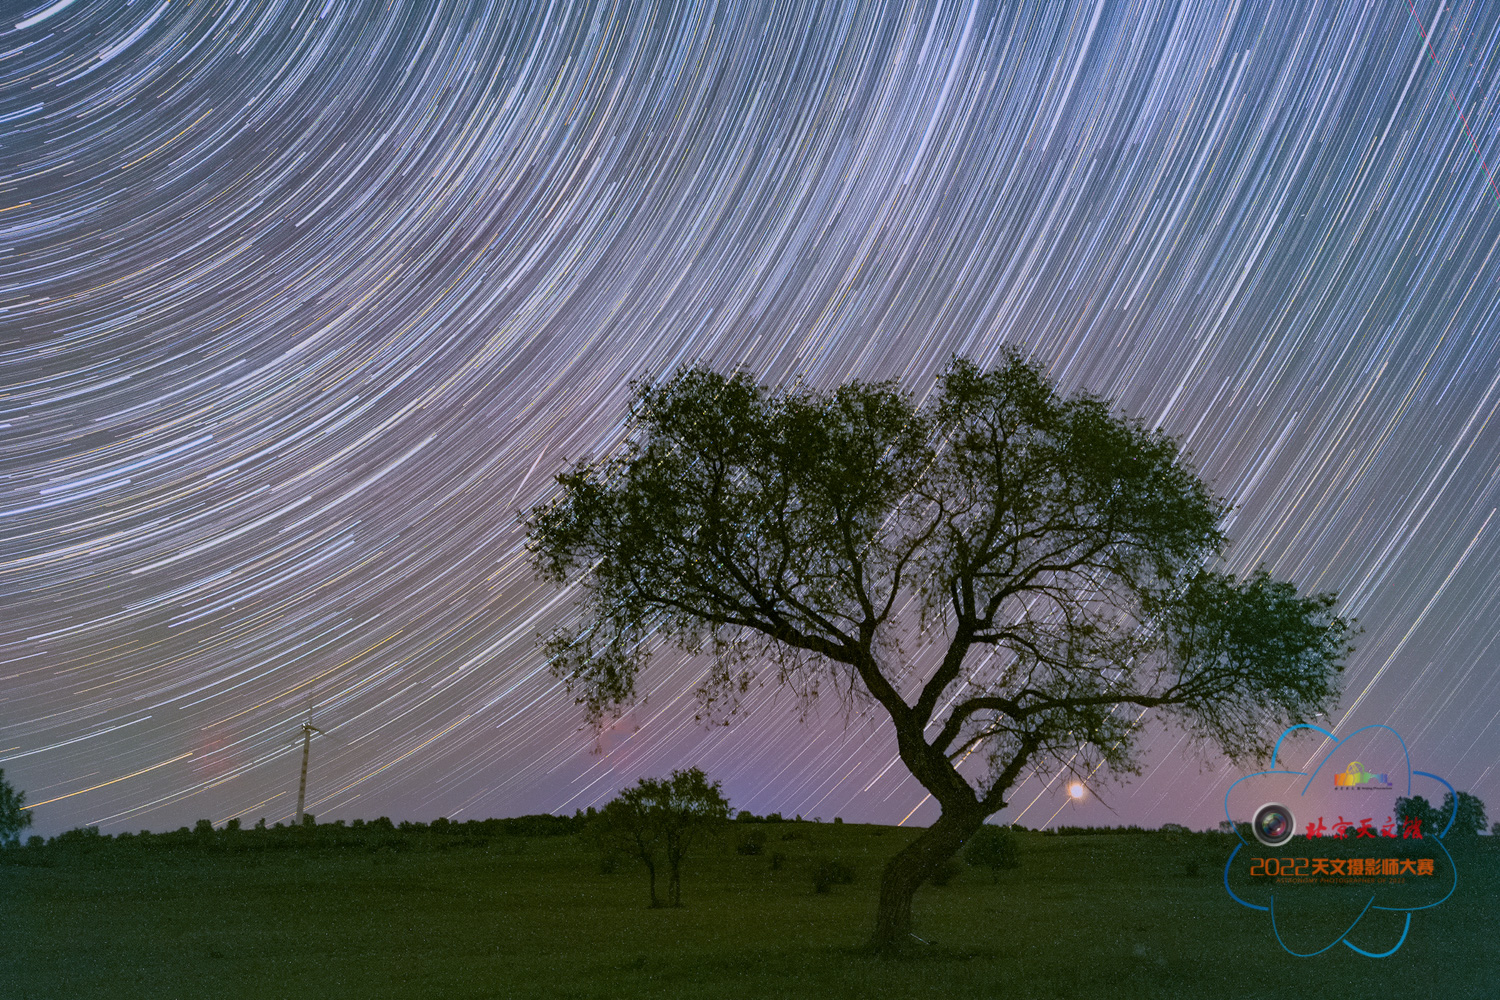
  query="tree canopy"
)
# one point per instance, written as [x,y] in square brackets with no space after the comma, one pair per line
[1470,820]
[1468,823]
[1012,575]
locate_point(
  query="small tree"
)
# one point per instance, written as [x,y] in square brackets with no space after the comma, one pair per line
[1012,576]
[829,872]
[661,819]
[13,817]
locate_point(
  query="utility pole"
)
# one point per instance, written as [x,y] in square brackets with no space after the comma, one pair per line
[307,730]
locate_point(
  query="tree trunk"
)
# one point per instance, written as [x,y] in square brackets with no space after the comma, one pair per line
[676,848]
[651,876]
[912,866]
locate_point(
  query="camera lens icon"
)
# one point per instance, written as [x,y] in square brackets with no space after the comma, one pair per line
[1274,824]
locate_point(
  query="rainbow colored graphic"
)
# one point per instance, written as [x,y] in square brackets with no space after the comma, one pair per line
[1355,776]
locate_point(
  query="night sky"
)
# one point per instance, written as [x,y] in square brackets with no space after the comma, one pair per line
[302,303]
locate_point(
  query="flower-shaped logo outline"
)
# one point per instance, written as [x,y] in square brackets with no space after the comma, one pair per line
[1371,904]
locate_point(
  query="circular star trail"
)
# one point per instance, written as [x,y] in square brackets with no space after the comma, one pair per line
[302,303]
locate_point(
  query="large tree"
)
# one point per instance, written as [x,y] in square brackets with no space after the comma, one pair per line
[1015,577]
[13,814]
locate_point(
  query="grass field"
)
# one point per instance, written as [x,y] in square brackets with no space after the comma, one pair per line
[1085,916]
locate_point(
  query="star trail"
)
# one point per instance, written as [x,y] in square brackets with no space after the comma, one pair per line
[302,304]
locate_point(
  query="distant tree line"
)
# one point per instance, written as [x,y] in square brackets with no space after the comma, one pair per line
[1087,831]
[1469,822]
[372,835]
[749,817]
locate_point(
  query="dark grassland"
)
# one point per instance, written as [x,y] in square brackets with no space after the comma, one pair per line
[1119,915]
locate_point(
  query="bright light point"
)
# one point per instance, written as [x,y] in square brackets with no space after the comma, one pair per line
[1076,790]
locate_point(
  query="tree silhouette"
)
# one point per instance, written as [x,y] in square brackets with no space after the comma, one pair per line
[1470,819]
[13,818]
[1417,809]
[660,819]
[1012,576]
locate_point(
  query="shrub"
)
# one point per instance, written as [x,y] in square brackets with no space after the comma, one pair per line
[777,861]
[828,872]
[945,872]
[753,844]
[992,847]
